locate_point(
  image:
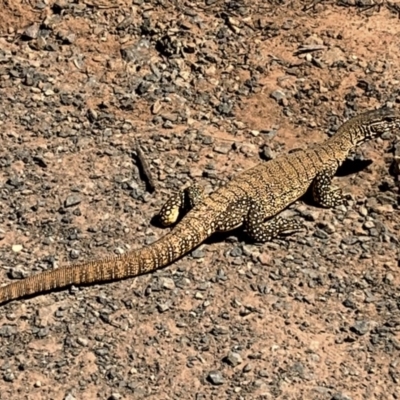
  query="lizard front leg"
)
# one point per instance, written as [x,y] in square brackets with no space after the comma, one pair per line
[180,203]
[263,231]
[323,192]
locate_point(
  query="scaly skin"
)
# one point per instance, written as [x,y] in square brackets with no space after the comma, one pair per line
[252,200]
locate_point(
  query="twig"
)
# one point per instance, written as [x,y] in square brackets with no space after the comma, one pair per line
[144,168]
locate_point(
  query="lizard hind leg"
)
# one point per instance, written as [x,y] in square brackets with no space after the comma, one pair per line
[323,192]
[263,231]
[180,203]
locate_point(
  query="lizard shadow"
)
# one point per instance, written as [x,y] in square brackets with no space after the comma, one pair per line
[350,167]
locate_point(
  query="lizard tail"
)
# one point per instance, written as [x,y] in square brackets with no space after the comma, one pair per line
[161,253]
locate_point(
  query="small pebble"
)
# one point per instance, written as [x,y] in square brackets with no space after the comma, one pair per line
[16,248]
[72,200]
[233,359]
[167,283]
[215,377]
[361,327]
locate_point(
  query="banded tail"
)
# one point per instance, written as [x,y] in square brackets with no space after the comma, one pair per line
[183,238]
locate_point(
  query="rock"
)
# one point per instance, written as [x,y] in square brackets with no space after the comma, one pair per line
[16,248]
[233,359]
[333,55]
[224,149]
[163,307]
[31,32]
[268,153]
[72,200]
[279,96]
[197,253]
[167,283]
[215,378]
[361,327]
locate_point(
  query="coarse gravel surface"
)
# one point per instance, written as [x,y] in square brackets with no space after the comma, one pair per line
[208,88]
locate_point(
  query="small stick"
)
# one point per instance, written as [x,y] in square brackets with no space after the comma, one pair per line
[144,168]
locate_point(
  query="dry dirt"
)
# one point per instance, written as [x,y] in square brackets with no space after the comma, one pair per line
[207,87]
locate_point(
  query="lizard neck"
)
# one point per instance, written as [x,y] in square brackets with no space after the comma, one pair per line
[341,143]
[350,135]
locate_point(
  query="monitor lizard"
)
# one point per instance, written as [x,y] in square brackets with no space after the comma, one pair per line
[252,199]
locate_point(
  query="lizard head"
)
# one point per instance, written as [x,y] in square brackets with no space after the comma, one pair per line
[373,124]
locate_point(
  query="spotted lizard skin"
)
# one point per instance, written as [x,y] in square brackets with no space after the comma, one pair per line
[253,199]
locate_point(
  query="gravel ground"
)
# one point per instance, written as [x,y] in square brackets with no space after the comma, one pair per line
[208,88]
